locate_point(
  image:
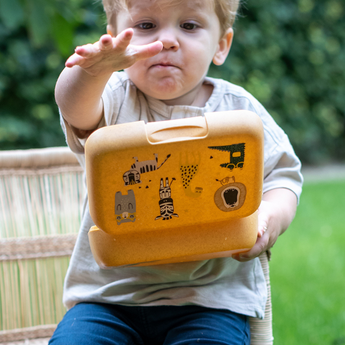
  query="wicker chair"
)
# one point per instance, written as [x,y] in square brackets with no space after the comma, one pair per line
[41,201]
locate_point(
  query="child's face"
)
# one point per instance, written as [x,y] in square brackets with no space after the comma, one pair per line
[191,37]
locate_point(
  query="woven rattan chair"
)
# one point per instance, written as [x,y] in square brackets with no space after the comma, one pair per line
[41,201]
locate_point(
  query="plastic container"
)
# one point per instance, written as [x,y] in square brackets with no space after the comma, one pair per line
[175,191]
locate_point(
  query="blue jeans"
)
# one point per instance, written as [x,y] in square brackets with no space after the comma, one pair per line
[107,324]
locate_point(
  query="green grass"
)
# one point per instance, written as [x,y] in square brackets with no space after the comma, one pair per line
[308,270]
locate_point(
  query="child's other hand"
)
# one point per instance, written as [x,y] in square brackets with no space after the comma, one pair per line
[111,54]
[276,212]
[268,232]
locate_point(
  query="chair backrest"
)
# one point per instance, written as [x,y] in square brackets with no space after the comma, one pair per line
[41,198]
[41,202]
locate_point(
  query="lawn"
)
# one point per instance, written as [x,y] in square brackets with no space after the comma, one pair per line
[308,270]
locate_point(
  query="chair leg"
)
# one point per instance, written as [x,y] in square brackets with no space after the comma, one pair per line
[261,330]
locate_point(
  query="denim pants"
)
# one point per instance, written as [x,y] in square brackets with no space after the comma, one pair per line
[107,324]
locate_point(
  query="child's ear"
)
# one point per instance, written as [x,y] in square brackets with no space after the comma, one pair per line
[223,47]
[110,30]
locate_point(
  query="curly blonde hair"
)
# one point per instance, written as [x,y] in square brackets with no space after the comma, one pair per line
[226,10]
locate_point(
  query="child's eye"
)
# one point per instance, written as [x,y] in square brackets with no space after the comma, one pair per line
[146,26]
[188,26]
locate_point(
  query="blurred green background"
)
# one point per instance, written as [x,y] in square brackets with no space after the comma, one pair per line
[307,268]
[289,55]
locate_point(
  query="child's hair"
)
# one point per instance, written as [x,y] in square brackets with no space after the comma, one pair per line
[226,10]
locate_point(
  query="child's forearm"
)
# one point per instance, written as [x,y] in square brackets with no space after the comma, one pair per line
[284,203]
[78,95]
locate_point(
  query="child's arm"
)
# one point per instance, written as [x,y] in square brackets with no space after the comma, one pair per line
[81,84]
[276,212]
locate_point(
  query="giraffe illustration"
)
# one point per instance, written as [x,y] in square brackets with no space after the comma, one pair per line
[189,167]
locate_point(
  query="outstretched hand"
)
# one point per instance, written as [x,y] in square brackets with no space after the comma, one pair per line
[111,54]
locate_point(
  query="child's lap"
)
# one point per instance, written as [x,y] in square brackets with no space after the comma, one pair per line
[105,324]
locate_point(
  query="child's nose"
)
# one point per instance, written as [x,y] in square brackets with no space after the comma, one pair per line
[169,39]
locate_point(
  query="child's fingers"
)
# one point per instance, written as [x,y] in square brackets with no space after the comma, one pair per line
[260,246]
[105,42]
[149,50]
[113,51]
[73,60]
[263,219]
[86,50]
[123,39]
[262,229]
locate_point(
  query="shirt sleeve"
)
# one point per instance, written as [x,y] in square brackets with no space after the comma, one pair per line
[282,167]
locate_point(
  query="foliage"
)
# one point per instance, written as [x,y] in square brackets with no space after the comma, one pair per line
[287,54]
[36,37]
[290,56]
[307,270]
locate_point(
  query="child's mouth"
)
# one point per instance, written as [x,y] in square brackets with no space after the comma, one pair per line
[164,65]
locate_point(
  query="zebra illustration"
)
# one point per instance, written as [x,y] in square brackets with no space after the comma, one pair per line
[166,203]
[133,175]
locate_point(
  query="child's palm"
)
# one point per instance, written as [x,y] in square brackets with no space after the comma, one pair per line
[111,54]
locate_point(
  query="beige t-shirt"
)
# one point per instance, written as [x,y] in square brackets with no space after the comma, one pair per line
[218,283]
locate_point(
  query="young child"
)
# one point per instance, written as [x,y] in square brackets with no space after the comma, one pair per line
[165,48]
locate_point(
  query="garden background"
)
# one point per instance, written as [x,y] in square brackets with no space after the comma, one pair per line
[291,56]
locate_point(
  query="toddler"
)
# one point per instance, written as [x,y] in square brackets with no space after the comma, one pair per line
[164,48]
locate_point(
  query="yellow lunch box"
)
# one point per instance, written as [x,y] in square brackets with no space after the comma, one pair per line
[175,191]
